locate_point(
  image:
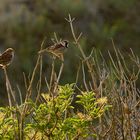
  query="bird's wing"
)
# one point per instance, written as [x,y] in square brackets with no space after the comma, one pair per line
[56,47]
[5,57]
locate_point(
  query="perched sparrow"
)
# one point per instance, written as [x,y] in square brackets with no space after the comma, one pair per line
[6,57]
[57,49]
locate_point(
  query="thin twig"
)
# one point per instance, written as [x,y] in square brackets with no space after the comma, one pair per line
[77,75]
[40,74]
[9,88]
[76,39]
[20,95]
[58,78]
[84,77]
[25,80]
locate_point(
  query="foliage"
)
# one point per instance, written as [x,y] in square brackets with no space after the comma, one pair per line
[8,125]
[53,119]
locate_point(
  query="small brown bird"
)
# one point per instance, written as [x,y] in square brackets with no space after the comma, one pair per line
[57,49]
[6,57]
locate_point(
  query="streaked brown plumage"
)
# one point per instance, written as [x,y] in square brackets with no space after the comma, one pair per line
[57,49]
[6,57]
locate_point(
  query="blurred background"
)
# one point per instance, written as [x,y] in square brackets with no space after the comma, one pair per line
[24,23]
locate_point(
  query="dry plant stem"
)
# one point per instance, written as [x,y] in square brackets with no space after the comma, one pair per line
[34,137]
[76,137]
[121,114]
[90,85]
[20,127]
[84,78]
[60,72]
[113,63]
[61,69]
[8,92]
[25,107]
[77,76]
[124,63]
[47,84]
[32,79]
[40,81]
[25,81]
[28,94]
[127,87]
[51,78]
[129,124]
[9,89]
[76,39]
[58,78]
[20,95]
[109,129]
[29,89]
[120,67]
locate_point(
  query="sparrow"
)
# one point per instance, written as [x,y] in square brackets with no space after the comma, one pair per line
[57,49]
[6,57]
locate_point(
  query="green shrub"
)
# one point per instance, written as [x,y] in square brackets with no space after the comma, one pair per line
[55,118]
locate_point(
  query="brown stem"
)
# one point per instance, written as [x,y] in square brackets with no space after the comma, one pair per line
[76,39]
[9,88]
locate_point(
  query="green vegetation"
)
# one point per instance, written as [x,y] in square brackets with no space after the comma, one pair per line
[54,119]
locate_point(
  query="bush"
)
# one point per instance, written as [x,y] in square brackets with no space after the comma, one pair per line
[54,119]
